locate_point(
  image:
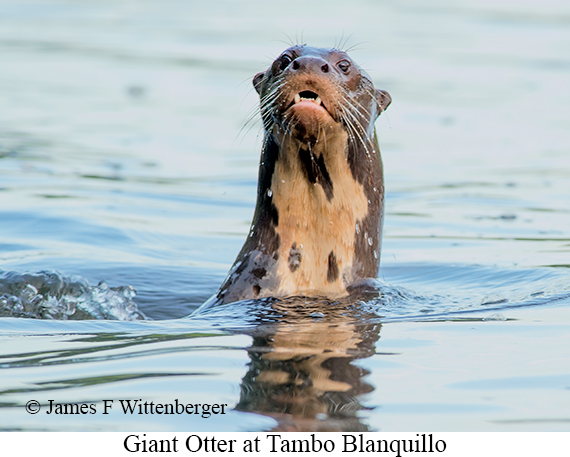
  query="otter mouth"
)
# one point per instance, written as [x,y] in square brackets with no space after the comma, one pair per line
[307,96]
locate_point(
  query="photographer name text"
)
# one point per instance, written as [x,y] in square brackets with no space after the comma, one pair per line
[132,407]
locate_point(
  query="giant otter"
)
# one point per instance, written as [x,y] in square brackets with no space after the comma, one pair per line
[317,225]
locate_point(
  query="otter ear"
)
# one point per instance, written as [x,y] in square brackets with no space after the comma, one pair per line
[257,81]
[383,99]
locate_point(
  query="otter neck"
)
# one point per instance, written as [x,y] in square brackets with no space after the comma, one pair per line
[309,196]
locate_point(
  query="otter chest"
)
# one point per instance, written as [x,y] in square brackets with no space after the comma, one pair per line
[319,205]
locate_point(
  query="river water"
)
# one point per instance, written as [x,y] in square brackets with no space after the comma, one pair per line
[127,163]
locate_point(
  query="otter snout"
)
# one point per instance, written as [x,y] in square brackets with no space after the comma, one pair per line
[309,64]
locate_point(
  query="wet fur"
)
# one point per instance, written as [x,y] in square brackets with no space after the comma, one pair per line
[317,225]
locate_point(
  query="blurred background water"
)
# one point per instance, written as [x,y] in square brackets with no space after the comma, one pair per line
[125,158]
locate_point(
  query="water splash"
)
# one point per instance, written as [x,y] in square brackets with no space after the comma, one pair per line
[52,295]
[413,292]
[377,301]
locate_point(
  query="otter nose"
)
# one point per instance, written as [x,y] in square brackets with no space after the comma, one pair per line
[310,64]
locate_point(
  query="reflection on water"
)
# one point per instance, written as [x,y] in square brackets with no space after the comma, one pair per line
[302,373]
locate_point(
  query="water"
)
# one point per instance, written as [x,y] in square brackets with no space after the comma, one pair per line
[123,160]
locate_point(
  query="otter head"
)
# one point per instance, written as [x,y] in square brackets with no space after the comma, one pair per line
[311,93]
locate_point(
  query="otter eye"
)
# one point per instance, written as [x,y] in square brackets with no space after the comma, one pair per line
[344,66]
[285,61]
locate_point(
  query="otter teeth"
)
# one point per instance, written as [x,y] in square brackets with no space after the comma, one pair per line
[317,100]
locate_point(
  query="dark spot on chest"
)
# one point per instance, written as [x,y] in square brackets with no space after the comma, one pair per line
[317,171]
[273,212]
[259,272]
[332,271]
[295,257]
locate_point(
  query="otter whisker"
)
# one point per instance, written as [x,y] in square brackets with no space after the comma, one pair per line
[358,107]
[356,127]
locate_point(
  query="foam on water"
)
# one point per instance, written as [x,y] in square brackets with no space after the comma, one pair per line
[52,295]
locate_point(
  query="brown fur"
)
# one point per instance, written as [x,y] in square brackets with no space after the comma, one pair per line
[308,219]
[318,219]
